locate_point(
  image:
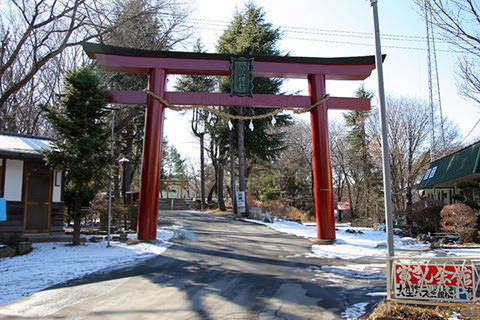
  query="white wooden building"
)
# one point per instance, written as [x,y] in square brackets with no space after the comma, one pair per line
[33,192]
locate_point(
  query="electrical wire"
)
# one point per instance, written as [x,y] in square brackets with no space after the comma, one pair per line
[320,31]
[345,42]
[478,121]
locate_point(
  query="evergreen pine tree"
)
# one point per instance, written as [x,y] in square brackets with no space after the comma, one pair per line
[250,34]
[81,144]
[359,159]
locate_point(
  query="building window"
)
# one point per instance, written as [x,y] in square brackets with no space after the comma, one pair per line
[432,173]
[58,178]
[425,177]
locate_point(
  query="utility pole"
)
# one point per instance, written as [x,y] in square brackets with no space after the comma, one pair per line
[110,183]
[385,153]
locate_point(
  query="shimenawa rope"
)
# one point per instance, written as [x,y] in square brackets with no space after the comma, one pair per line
[233,116]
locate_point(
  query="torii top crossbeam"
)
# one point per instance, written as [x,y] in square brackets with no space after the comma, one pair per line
[119,59]
[157,64]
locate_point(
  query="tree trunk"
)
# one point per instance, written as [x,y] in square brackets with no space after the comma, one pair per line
[220,196]
[250,168]
[129,155]
[241,160]
[232,173]
[349,190]
[202,172]
[210,194]
[76,219]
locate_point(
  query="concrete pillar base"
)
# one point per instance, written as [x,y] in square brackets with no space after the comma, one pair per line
[323,241]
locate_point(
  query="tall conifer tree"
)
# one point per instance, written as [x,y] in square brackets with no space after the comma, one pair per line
[81,144]
[250,34]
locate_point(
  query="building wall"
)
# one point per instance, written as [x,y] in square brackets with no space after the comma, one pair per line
[13,190]
[442,194]
[445,194]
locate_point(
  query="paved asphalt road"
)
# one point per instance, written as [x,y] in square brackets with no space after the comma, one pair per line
[221,269]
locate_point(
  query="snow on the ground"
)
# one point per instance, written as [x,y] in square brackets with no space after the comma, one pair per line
[377,294]
[364,242]
[355,311]
[53,263]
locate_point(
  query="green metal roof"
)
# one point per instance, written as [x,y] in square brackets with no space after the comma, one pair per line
[460,164]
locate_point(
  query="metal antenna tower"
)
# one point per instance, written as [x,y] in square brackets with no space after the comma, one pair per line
[433,84]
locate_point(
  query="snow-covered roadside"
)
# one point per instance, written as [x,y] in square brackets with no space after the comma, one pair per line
[354,243]
[362,243]
[53,263]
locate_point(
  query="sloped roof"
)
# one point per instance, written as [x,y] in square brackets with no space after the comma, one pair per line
[23,145]
[463,163]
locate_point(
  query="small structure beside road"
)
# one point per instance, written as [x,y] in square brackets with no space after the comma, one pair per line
[441,180]
[32,192]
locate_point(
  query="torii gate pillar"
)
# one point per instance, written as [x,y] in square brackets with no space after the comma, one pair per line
[322,171]
[152,150]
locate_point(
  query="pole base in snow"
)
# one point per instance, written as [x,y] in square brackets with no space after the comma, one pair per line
[323,241]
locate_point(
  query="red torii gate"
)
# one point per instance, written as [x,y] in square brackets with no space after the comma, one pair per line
[157,64]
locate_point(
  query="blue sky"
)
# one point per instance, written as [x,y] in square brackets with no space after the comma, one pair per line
[328,28]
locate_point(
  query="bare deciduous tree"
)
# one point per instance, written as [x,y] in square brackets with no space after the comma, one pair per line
[35,34]
[408,141]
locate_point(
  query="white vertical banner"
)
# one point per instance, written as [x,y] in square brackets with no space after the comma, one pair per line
[241,202]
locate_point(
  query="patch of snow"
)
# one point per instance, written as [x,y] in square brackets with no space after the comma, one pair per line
[355,311]
[310,224]
[456,316]
[377,294]
[362,243]
[353,274]
[53,263]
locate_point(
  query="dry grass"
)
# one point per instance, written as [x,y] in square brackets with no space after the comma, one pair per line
[276,208]
[402,312]
[218,211]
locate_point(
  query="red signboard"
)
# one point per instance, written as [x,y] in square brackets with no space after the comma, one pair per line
[343,205]
[447,275]
[454,282]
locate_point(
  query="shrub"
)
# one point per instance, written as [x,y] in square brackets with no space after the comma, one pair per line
[424,215]
[472,204]
[277,208]
[468,184]
[469,235]
[459,218]
[458,197]
[118,213]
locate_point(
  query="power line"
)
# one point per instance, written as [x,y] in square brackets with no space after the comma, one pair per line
[478,121]
[321,31]
[345,42]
